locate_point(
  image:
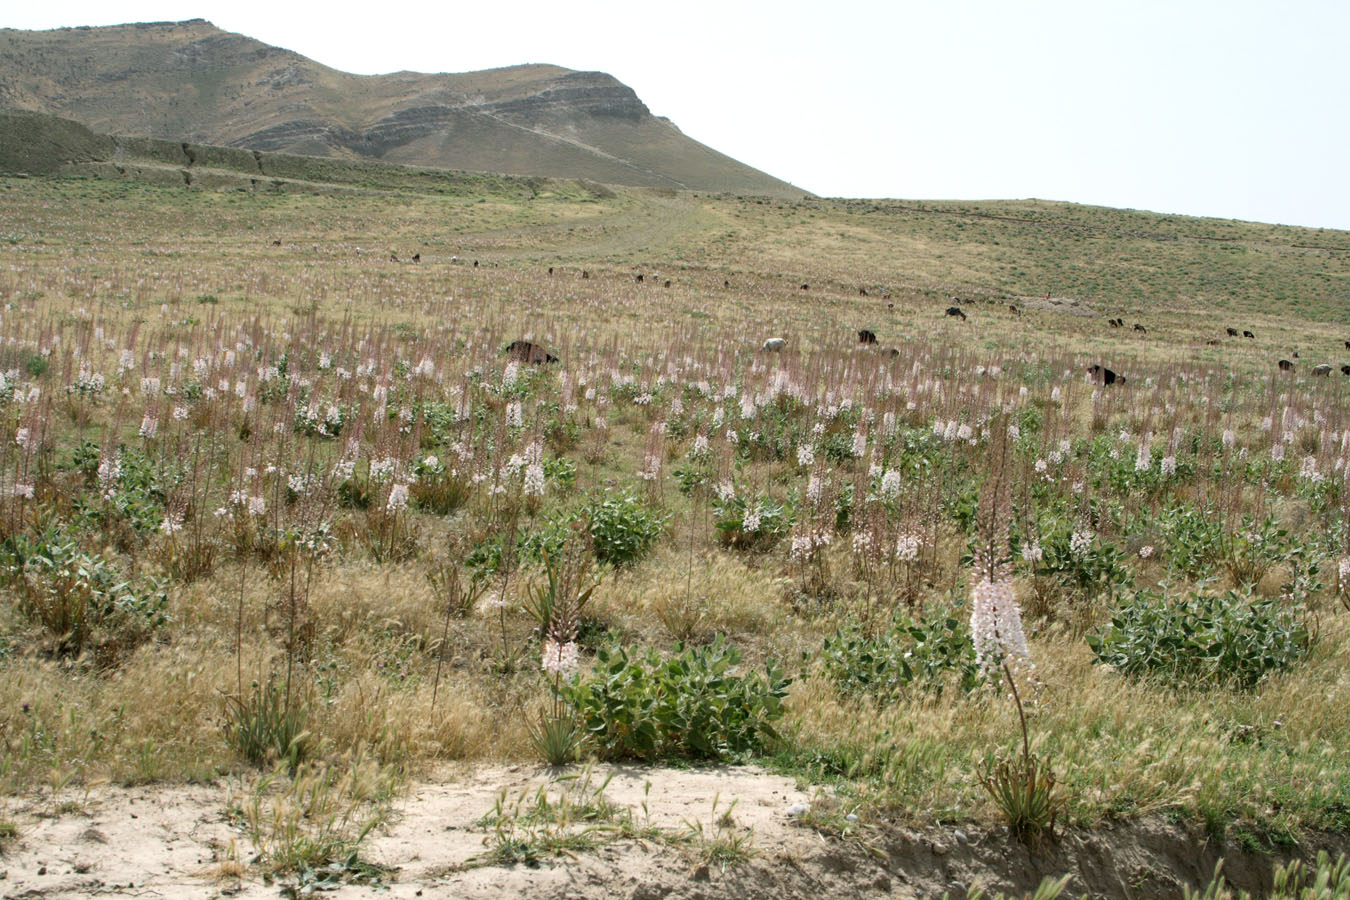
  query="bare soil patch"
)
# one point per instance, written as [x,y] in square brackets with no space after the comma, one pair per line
[178,841]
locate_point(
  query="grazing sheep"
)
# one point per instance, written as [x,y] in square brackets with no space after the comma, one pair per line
[956,311]
[1345,370]
[726,283]
[1232,332]
[805,286]
[417,257]
[550,270]
[1014,309]
[639,279]
[277,243]
[774,344]
[528,352]
[475,263]
[1213,342]
[1114,323]
[1248,334]
[893,352]
[1286,366]
[667,282]
[1323,369]
[585,274]
[862,292]
[1138,327]
[1103,375]
[1347,345]
[867,337]
[393,257]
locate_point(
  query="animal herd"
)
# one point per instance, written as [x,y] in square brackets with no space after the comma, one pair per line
[534,354]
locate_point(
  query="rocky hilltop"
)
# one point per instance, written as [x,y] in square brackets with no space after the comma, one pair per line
[191,81]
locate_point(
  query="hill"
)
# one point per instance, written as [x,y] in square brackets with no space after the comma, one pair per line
[1093,262]
[192,81]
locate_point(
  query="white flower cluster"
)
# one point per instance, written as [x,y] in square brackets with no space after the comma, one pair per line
[1080,542]
[859,443]
[996,626]
[814,488]
[534,470]
[651,467]
[890,484]
[907,547]
[109,471]
[808,541]
[559,659]
[1143,460]
[398,498]
[806,455]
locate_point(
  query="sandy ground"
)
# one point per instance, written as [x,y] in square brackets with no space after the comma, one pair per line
[170,841]
[179,841]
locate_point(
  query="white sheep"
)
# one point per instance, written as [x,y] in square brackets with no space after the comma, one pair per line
[774,344]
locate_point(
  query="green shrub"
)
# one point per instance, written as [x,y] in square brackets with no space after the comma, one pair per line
[1086,572]
[35,365]
[694,705]
[82,599]
[927,653]
[531,546]
[1230,639]
[1194,540]
[769,520]
[622,527]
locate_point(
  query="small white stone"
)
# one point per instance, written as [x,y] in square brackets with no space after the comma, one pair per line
[798,809]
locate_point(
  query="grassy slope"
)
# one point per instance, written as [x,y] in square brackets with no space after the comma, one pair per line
[114,245]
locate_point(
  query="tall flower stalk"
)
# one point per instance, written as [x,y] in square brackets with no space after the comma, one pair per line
[1023,789]
[557,605]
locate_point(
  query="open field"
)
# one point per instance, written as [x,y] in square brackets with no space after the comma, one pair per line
[279,517]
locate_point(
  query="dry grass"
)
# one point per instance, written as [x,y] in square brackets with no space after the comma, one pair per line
[366,640]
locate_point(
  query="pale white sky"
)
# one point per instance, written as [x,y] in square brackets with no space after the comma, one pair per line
[1234,109]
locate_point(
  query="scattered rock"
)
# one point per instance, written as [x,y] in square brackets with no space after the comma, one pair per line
[797,810]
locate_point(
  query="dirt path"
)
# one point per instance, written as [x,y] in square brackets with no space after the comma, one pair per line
[184,842]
